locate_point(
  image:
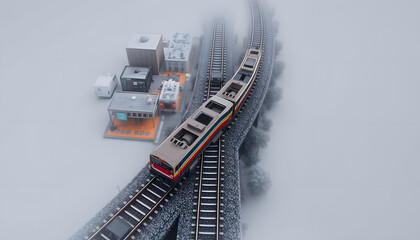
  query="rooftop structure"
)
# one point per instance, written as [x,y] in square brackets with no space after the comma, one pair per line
[177,52]
[137,79]
[169,96]
[146,50]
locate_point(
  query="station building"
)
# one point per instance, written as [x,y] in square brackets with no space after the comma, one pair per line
[132,105]
[146,50]
[177,52]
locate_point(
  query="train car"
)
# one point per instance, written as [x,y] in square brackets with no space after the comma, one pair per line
[236,89]
[175,156]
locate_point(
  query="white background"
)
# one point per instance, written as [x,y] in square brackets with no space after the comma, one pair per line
[343,155]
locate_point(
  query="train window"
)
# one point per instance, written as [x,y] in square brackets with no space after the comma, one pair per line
[203,118]
[142,84]
[242,76]
[232,90]
[184,137]
[249,63]
[217,107]
[156,161]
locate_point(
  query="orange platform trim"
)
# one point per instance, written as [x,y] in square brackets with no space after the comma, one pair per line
[134,128]
[179,100]
[181,76]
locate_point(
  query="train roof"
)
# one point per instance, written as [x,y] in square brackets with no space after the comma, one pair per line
[172,153]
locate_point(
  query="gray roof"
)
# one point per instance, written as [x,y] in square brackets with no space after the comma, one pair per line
[133,102]
[144,41]
[177,47]
[130,72]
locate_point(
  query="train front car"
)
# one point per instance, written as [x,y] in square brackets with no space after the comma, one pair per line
[176,155]
[236,89]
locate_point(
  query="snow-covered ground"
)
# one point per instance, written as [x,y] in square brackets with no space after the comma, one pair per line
[344,150]
[343,155]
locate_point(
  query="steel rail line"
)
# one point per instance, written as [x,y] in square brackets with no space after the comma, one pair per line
[124,223]
[207,223]
[209,194]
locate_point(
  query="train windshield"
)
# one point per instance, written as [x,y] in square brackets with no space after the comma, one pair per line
[163,165]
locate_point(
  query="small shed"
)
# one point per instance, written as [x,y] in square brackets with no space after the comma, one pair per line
[168,98]
[136,79]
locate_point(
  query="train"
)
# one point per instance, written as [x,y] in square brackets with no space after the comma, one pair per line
[178,153]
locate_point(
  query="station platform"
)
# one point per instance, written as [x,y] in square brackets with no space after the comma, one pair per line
[134,129]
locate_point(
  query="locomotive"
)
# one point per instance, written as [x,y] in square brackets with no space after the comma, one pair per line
[178,153]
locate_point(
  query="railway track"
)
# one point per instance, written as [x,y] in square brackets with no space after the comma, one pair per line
[125,222]
[257,29]
[208,193]
[216,69]
[208,215]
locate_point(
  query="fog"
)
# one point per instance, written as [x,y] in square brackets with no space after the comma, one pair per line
[343,155]
[343,150]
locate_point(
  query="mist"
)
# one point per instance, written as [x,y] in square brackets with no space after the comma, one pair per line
[342,154]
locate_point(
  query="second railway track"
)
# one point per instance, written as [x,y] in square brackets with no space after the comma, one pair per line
[208,193]
[126,221]
[208,214]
